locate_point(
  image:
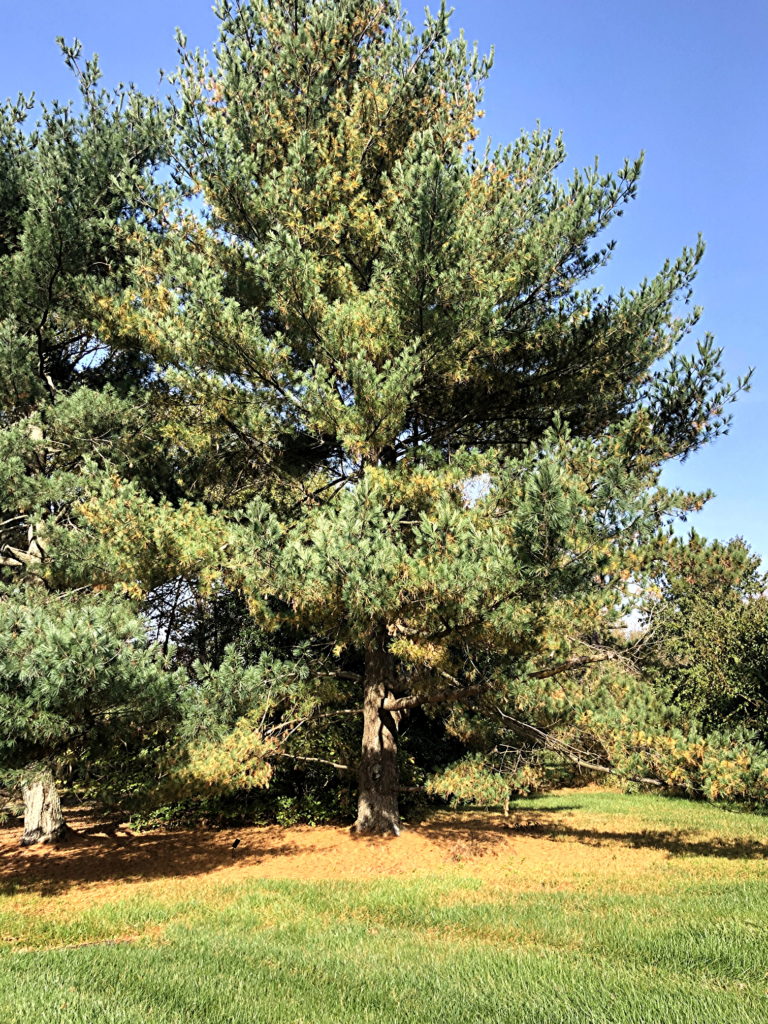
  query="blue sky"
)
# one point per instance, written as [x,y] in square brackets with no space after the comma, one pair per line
[684,80]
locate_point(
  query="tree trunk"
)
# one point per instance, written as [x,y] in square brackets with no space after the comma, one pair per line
[377,810]
[43,820]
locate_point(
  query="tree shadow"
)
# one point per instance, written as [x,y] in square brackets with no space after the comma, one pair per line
[107,852]
[465,838]
[542,823]
[675,842]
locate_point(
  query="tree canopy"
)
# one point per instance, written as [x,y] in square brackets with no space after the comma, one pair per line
[326,389]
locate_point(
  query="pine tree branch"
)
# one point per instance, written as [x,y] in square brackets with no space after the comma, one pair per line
[462,692]
[355,677]
[571,666]
[316,760]
[430,41]
[418,700]
[572,754]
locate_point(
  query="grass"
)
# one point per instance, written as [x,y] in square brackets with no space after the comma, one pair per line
[683,942]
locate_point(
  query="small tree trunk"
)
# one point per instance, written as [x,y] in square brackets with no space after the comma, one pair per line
[377,810]
[43,820]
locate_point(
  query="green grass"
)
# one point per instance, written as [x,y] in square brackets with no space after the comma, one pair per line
[687,947]
[657,812]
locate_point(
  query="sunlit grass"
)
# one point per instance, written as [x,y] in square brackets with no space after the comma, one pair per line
[687,946]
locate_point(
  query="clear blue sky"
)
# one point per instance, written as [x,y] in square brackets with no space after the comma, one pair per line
[685,80]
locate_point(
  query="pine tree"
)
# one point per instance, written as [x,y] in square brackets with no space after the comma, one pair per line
[708,615]
[425,446]
[77,684]
[75,673]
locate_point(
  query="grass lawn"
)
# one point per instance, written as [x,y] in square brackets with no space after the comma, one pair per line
[592,907]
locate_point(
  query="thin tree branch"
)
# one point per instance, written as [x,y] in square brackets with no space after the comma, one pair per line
[298,722]
[316,760]
[572,754]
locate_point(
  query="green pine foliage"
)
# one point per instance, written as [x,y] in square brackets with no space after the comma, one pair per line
[333,397]
[78,684]
[709,617]
[77,677]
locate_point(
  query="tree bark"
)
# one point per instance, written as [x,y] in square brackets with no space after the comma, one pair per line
[377,807]
[43,820]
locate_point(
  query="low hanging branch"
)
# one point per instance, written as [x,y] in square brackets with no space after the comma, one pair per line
[459,692]
[572,754]
[342,767]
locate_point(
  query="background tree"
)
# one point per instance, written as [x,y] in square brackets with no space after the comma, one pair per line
[79,688]
[709,626]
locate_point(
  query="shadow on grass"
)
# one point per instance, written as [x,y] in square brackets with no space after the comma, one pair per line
[106,852]
[475,837]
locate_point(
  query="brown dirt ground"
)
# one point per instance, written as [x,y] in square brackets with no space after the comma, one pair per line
[528,850]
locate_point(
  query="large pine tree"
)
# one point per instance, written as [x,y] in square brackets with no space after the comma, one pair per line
[406,428]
